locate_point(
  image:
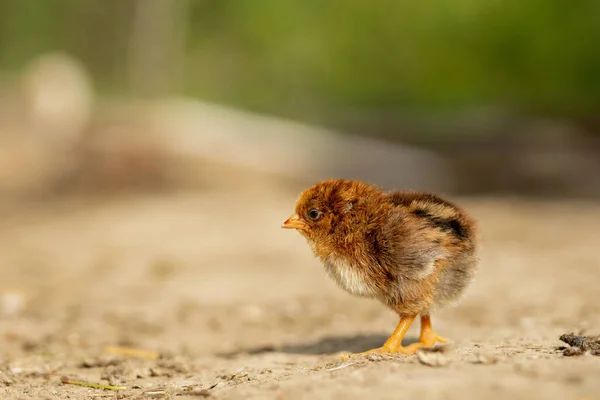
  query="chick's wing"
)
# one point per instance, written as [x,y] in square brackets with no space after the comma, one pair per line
[407,246]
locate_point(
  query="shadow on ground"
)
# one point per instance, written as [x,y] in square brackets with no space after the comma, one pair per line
[326,345]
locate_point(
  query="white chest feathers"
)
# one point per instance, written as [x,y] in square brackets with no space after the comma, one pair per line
[349,277]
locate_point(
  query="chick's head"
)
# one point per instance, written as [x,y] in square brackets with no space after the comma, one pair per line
[330,207]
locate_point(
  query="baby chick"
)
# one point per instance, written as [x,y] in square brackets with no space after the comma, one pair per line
[413,251]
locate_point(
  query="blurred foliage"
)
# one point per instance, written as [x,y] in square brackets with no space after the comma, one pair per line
[95,31]
[312,59]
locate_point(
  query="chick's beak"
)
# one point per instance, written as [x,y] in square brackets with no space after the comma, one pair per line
[294,222]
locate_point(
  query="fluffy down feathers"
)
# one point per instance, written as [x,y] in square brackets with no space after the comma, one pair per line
[411,250]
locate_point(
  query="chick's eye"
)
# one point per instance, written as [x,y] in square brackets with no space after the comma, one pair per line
[314,214]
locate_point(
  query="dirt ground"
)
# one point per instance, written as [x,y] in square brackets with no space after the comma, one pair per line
[238,308]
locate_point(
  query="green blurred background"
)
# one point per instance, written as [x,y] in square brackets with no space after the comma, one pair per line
[353,65]
[505,93]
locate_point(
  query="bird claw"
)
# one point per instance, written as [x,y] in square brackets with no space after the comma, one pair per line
[430,339]
[426,340]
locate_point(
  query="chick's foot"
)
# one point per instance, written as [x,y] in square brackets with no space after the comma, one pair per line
[394,343]
[428,337]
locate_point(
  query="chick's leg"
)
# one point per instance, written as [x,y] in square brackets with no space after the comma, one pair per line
[394,343]
[428,336]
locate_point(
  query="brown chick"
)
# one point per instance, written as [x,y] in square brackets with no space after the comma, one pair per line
[413,251]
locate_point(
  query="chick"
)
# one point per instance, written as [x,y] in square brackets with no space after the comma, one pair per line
[413,251]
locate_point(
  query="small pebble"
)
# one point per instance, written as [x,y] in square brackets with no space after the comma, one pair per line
[374,357]
[433,358]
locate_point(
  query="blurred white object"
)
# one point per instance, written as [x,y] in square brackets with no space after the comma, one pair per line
[11,303]
[38,138]
[58,97]
[299,151]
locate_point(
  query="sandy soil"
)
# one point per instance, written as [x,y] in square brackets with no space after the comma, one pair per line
[238,308]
